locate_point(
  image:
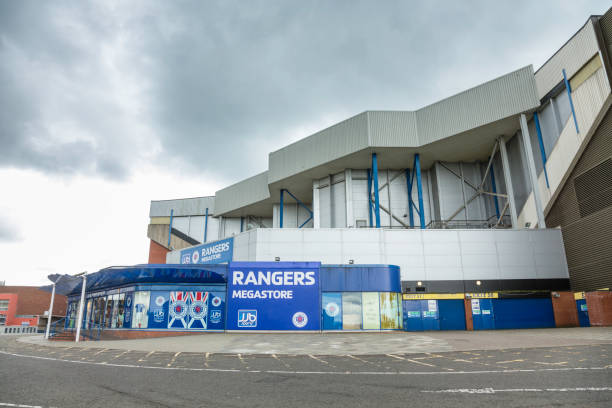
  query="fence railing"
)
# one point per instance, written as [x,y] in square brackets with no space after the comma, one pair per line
[18,329]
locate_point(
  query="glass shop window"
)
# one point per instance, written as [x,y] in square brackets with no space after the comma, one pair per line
[98,313]
[118,318]
[109,311]
[351,311]
[389,316]
[140,319]
[72,309]
[115,310]
[370,310]
[4,305]
[88,311]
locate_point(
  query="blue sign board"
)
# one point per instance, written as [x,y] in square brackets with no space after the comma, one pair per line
[211,253]
[273,296]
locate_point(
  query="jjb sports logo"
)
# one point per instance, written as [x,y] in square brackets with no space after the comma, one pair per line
[247,318]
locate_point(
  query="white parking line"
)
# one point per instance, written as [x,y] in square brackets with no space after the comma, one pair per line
[493,391]
[8,404]
[222,370]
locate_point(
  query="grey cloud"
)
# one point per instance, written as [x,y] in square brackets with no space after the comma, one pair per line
[8,232]
[218,85]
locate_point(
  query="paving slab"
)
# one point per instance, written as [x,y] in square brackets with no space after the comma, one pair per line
[342,344]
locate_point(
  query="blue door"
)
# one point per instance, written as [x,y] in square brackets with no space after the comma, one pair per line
[523,313]
[412,315]
[430,313]
[583,313]
[482,314]
[452,314]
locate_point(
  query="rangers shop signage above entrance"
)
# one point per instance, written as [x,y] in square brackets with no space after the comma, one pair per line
[211,253]
[273,296]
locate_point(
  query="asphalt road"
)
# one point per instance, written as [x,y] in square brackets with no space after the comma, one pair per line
[35,375]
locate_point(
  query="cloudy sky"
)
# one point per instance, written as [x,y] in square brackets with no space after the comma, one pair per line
[107,105]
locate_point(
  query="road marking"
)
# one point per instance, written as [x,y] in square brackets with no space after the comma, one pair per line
[147,356]
[206,355]
[318,359]
[544,363]
[510,361]
[362,360]
[101,351]
[493,391]
[174,358]
[280,361]
[8,404]
[121,354]
[222,370]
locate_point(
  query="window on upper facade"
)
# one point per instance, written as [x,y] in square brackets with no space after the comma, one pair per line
[4,305]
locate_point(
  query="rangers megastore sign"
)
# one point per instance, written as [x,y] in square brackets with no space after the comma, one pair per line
[211,253]
[273,296]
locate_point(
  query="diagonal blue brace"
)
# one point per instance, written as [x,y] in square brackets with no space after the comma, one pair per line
[568,88]
[280,219]
[205,225]
[417,169]
[370,197]
[301,204]
[376,200]
[541,142]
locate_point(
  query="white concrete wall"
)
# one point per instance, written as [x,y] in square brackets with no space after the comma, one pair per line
[421,254]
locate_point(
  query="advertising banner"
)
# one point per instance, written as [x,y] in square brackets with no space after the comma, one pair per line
[273,296]
[371,311]
[127,320]
[332,311]
[211,253]
[158,310]
[196,310]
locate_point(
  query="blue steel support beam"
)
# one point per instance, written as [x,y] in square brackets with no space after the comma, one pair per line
[370,196]
[410,204]
[170,227]
[376,199]
[536,119]
[494,188]
[568,88]
[304,206]
[280,222]
[205,225]
[417,165]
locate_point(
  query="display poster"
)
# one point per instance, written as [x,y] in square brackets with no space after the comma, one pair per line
[332,311]
[158,310]
[389,311]
[476,306]
[273,296]
[351,311]
[129,302]
[432,305]
[370,310]
[141,308]
[210,253]
[196,310]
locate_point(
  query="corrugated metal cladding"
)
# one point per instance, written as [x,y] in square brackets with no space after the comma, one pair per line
[182,207]
[605,22]
[327,145]
[390,129]
[245,192]
[587,239]
[571,57]
[505,96]
[594,188]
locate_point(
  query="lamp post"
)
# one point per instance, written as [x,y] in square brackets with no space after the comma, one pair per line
[50,315]
[81,306]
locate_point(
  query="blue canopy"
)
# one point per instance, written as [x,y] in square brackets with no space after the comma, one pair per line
[117,276]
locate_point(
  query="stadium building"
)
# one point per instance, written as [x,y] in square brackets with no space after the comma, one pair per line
[504,186]
[483,210]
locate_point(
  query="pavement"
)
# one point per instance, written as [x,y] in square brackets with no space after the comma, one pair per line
[352,343]
[515,368]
